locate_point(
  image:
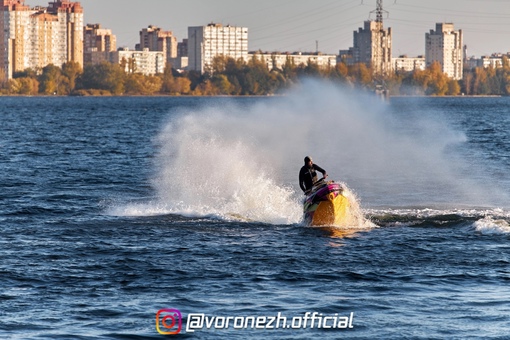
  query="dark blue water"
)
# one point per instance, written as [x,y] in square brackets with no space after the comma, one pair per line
[112,209]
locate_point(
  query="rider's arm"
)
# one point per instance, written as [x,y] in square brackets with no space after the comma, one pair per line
[301,181]
[321,170]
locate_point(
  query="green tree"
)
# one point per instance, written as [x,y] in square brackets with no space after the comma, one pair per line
[3,79]
[138,83]
[167,79]
[104,76]
[218,65]
[128,65]
[204,88]
[289,70]
[49,79]
[71,71]
[467,82]
[222,84]
[195,78]
[28,73]
[133,83]
[182,85]
[311,69]
[493,81]
[453,87]
[176,85]
[258,78]
[480,82]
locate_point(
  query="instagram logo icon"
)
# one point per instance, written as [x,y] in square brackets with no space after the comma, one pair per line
[168,318]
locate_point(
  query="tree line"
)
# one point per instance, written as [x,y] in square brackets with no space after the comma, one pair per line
[227,76]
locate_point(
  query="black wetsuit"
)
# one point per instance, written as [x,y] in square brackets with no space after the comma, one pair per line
[308,176]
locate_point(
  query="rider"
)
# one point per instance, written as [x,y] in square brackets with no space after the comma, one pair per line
[308,175]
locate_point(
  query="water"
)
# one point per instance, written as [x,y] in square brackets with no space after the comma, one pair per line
[112,209]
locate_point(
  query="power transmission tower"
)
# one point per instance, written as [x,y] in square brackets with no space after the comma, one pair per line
[379,12]
[382,49]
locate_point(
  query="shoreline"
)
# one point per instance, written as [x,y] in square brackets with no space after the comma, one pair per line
[230,96]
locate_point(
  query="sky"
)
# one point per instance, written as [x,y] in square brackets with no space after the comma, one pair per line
[302,25]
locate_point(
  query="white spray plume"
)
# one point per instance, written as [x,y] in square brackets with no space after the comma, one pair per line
[241,157]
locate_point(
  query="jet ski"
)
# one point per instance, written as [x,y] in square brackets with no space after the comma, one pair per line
[326,205]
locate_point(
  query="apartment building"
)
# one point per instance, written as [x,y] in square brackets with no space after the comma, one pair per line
[207,42]
[181,62]
[372,46]
[277,60]
[408,64]
[36,37]
[155,39]
[97,39]
[444,45]
[145,62]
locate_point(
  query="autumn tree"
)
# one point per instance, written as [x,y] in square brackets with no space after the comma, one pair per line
[437,80]
[24,86]
[360,75]
[289,69]
[3,79]
[339,73]
[480,82]
[167,79]
[312,69]
[172,84]
[466,82]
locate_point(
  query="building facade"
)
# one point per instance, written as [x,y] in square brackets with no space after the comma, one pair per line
[408,64]
[145,62]
[181,62]
[444,45]
[207,42]
[495,60]
[155,39]
[278,60]
[36,37]
[97,39]
[372,46]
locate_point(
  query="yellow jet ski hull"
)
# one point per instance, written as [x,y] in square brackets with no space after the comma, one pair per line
[327,206]
[333,211]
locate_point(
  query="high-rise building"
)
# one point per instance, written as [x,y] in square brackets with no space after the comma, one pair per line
[207,42]
[181,62]
[182,48]
[14,32]
[372,45]
[444,45]
[155,39]
[97,39]
[36,37]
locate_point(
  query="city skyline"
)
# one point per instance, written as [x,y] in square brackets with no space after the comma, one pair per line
[301,25]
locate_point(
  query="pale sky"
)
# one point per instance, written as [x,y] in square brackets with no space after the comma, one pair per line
[296,25]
